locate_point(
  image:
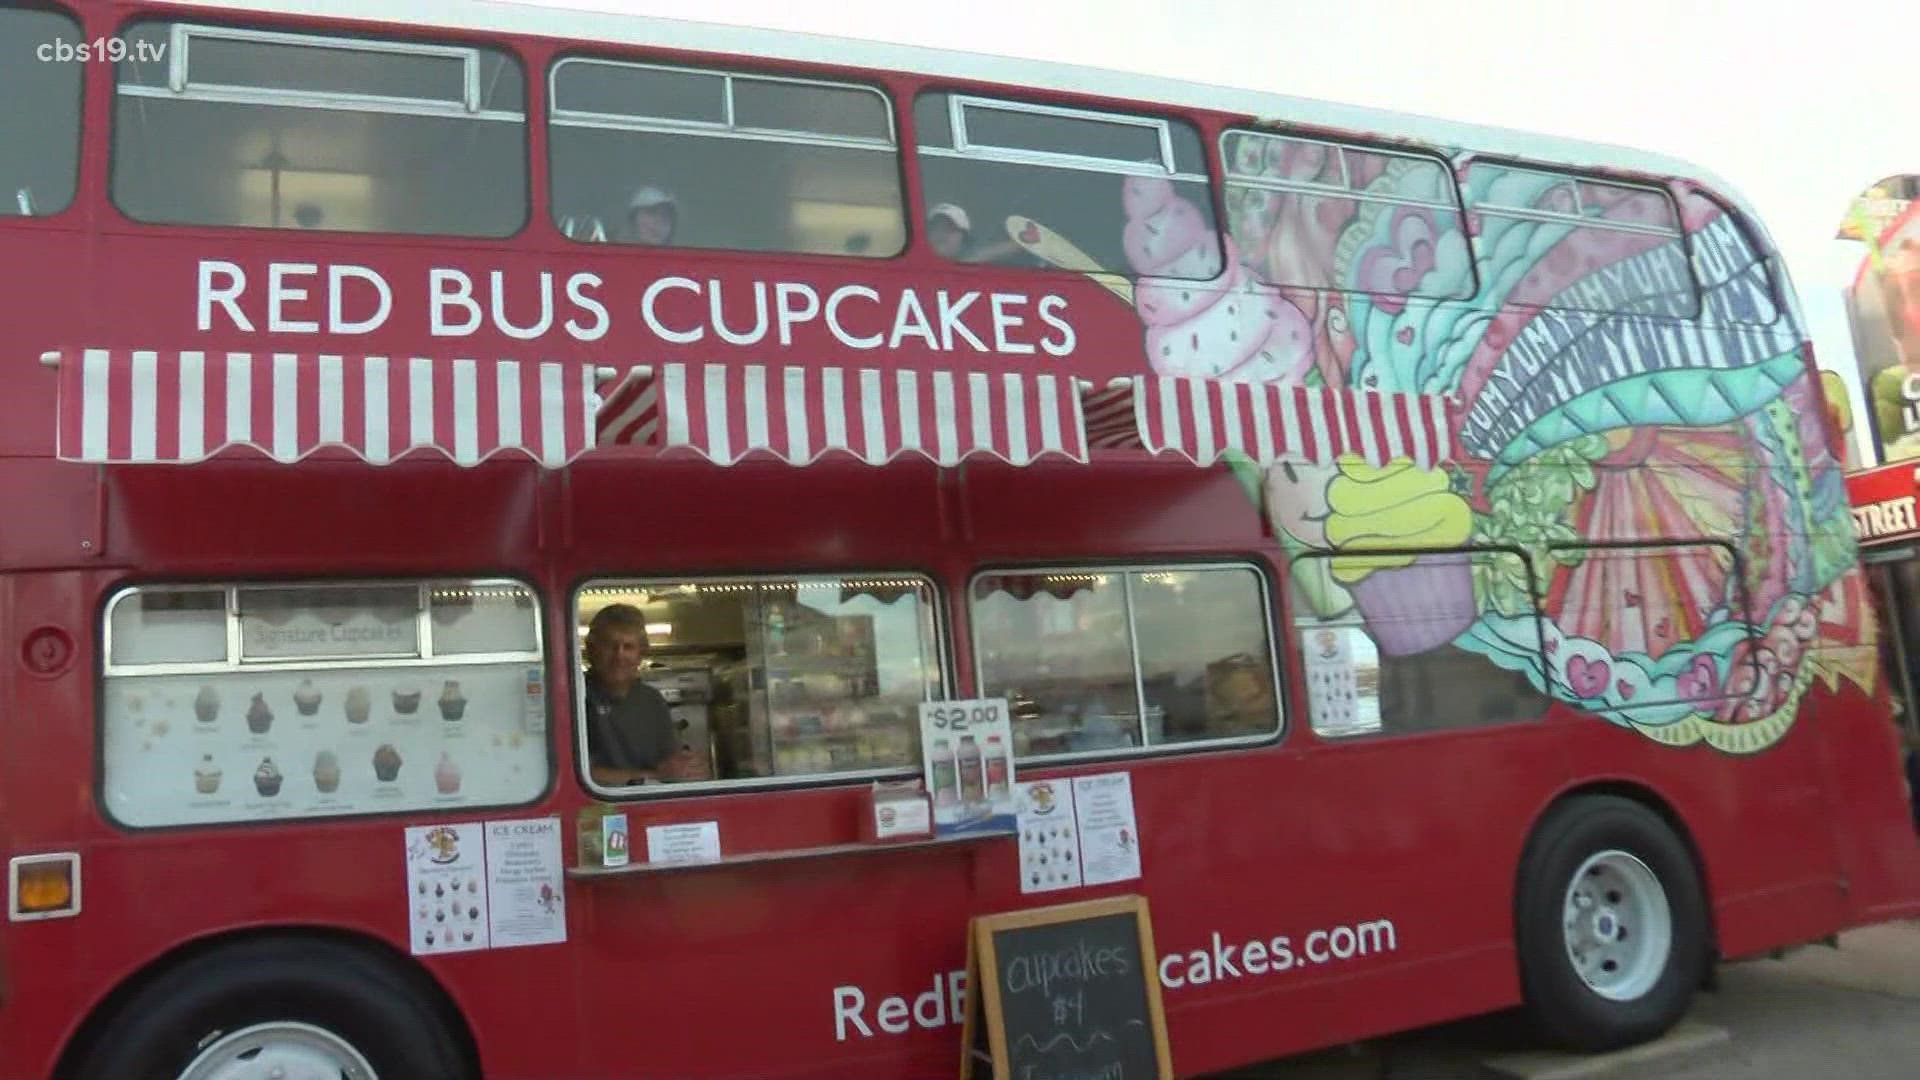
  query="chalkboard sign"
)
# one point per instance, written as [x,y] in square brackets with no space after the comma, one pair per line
[1068,992]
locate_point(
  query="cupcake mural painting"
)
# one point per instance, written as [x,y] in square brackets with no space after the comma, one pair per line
[453,703]
[306,698]
[326,772]
[359,705]
[259,716]
[446,775]
[1450,382]
[206,705]
[206,776]
[267,778]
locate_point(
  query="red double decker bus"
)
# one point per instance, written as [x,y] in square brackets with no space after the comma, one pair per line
[1426,541]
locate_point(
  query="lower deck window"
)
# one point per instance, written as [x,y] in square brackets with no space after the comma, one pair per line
[255,703]
[754,680]
[1095,661]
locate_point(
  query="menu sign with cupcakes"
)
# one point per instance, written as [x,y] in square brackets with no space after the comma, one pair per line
[241,741]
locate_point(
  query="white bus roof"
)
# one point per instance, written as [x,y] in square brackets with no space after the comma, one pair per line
[526,20]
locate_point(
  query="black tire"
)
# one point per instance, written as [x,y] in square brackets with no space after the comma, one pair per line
[1560,1003]
[348,992]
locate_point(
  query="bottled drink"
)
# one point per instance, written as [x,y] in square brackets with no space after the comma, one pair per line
[972,780]
[996,765]
[946,790]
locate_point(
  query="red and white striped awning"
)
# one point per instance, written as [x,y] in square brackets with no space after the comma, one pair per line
[800,414]
[152,406]
[1200,419]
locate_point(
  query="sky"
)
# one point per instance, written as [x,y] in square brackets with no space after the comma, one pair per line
[1789,102]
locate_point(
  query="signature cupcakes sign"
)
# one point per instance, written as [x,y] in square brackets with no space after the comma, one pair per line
[272,743]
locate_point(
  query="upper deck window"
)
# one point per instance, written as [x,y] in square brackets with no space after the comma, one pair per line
[283,130]
[1296,206]
[649,154]
[1620,244]
[40,123]
[1022,184]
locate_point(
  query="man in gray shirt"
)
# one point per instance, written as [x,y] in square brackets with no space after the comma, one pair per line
[631,738]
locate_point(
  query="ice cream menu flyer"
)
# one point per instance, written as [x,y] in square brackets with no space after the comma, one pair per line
[446,888]
[1109,834]
[524,883]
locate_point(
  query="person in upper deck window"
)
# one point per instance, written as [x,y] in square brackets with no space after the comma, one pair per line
[653,215]
[630,730]
[950,234]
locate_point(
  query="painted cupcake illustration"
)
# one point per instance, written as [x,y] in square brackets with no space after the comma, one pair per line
[326,772]
[386,763]
[206,778]
[453,703]
[259,716]
[206,704]
[406,702]
[306,698]
[267,778]
[446,775]
[359,705]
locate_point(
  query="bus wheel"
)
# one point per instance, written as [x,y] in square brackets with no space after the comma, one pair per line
[284,1007]
[1611,925]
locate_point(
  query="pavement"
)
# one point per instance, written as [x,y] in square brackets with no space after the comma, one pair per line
[1851,1013]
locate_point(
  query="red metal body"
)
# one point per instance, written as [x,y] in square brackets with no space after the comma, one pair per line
[782,968]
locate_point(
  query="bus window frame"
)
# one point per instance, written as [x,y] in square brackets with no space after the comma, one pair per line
[1534,592]
[103,619]
[1345,190]
[181,87]
[1275,656]
[78,26]
[1162,125]
[333,103]
[560,116]
[1755,636]
[938,613]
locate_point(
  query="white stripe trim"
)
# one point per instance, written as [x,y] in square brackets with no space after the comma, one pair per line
[873,417]
[374,382]
[507,396]
[908,383]
[466,413]
[1317,402]
[1202,410]
[1049,391]
[1232,437]
[94,404]
[794,396]
[193,406]
[420,402]
[332,408]
[1437,408]
[286,407]
[980,406]
[143,444]
[239,397]
[553,414]
[1265,398]
[1390,411]
[946,423]
[1016,418]
[1171,435]
[673,403]
[1369,438]
[833,407]
[755,379]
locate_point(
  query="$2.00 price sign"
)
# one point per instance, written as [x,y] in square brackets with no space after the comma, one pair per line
[966,752]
